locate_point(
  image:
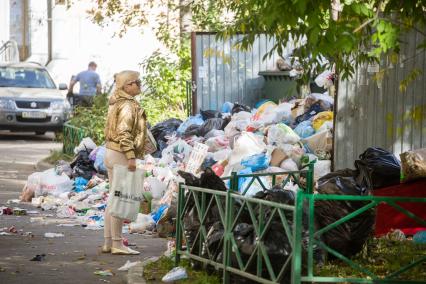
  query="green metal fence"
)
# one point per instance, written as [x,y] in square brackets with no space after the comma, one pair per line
[314,238]
[231,209]
[72,137]
[228,254]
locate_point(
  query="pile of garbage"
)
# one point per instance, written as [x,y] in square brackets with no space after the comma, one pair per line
[75,190]
[268,138]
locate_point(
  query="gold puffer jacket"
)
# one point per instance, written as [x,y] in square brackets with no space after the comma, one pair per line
[126,125]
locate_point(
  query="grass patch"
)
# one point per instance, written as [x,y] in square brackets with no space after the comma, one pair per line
[57,155]
[381,257]
[154,271]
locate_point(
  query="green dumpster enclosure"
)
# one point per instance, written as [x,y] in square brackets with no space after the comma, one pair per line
[279,85]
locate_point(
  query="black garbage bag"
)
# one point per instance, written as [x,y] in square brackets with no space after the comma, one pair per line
[239,107]
[82,166]
[192,130]
[213,246]
[277,245]
[378,168]
[277,194]
[344,180]
[213,123]
[207,114]
[313,110]
[164,128]
[191,226]
[280,195]
[349,237]
[161,145]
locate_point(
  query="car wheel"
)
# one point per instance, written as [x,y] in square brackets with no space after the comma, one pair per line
[40,132]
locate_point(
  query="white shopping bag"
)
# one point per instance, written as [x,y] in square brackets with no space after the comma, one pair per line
[126,193]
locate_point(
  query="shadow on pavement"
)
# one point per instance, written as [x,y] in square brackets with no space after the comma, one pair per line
[6,135]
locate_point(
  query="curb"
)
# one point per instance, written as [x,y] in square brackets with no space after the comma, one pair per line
[42,166]
[135,274]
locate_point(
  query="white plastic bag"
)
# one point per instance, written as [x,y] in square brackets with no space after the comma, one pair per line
[289,165]
[126,193]
[217,143]
[325,79]
[283,112]
[321,168]
[85,144]
[214,133]
[143,221]
[175,274]
[128,265]
[235,127]
[156,187]
[32,185]
[33,182]
[180,148]
[222,155]
[282,134]
[245,146]
[53,184]
[242,115]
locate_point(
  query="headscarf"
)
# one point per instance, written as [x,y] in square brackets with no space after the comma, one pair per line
[121,79]
[124,77]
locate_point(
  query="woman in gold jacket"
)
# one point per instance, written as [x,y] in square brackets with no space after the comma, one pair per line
[124,135]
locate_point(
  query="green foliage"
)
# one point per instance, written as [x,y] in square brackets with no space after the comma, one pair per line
[362,32]
[164,83]
[93,118]
[379,258]
[410,78]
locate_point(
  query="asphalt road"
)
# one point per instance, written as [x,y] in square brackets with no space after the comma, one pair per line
[70,259]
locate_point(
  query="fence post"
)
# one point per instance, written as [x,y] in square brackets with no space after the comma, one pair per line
[188,98]
[297,239]
[181,202]
[310,179]
[227,247]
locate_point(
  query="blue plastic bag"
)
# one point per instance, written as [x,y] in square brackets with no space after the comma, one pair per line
[156,216]
[420,237]
[80,184]
[244,182]
[305,129]
[192,120]
[99,161]
[227,107]
[256,162]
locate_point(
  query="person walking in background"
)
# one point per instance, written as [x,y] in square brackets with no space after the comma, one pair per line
[125,134]
[90,85]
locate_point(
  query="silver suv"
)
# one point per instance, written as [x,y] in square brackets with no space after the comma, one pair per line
[29,99]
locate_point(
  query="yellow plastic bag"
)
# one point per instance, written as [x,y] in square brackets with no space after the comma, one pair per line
[320,118]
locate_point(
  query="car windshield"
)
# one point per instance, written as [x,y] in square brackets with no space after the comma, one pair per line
[25,78]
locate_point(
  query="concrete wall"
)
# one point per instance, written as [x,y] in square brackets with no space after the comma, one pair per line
[37,18]
[4,21]
[19,26]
